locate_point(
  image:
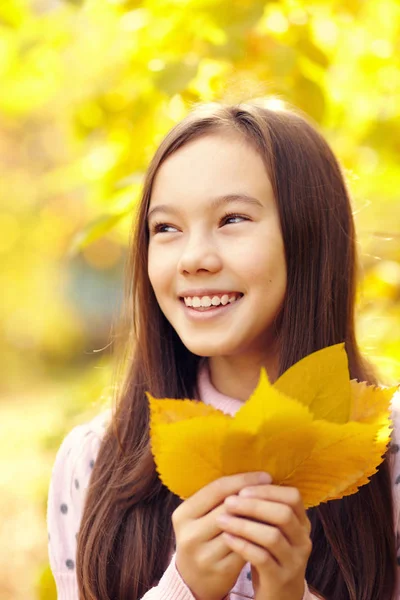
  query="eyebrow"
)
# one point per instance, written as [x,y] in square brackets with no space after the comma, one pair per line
[215,203]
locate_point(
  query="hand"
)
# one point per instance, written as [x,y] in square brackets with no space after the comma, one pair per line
[205,561]
[267,526]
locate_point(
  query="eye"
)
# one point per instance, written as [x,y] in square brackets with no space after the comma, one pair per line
[229,216]
[159,228]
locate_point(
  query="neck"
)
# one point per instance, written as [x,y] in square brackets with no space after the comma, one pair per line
[238,376]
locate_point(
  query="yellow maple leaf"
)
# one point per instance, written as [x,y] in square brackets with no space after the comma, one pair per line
[369,402]
[314,429]
[321,382]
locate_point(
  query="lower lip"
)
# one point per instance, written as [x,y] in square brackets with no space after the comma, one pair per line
[212,313]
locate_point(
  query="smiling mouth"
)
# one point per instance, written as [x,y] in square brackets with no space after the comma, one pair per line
[212,307]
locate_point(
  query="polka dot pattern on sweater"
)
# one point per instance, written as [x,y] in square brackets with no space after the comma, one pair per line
[68,487]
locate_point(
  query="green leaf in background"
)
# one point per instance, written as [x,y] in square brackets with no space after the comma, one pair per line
[94,231]
[310,98]
[175,77]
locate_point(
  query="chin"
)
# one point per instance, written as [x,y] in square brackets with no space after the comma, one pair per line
[207,350]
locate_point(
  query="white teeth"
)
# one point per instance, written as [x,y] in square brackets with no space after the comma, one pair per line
[207,301]
[196,302]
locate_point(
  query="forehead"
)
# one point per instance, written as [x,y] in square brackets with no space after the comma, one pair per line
[209,166]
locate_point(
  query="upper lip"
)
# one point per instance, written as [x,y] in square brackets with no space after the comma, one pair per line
[206,292]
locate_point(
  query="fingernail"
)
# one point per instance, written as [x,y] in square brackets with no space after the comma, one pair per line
[247,492]
[231,501]
[223,519]
[264,478]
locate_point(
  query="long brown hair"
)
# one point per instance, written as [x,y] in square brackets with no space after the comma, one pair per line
[126,535]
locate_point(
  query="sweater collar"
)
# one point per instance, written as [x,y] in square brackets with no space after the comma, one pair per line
[210,395]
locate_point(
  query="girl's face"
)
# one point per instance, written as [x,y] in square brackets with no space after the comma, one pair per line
[197,250]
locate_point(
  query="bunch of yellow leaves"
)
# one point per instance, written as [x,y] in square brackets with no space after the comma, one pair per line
[314,429]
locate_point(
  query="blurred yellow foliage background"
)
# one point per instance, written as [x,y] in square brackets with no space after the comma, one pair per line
[87,90]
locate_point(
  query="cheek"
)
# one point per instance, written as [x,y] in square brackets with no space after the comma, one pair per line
[260,264]
[159,271]
[267,276]
[153,270]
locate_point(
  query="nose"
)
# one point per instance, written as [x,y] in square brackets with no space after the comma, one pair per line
[199,253]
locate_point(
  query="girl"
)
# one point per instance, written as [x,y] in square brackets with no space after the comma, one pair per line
[243,256]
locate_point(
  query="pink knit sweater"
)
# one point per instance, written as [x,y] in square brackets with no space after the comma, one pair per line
[70,479]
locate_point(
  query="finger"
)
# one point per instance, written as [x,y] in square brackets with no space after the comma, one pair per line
[233,561]
[215,492]
[278,493]
[213,550]
[271,513]
[252,553]
[267,537]
[206,528]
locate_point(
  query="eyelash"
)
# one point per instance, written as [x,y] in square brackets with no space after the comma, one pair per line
[158,225]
